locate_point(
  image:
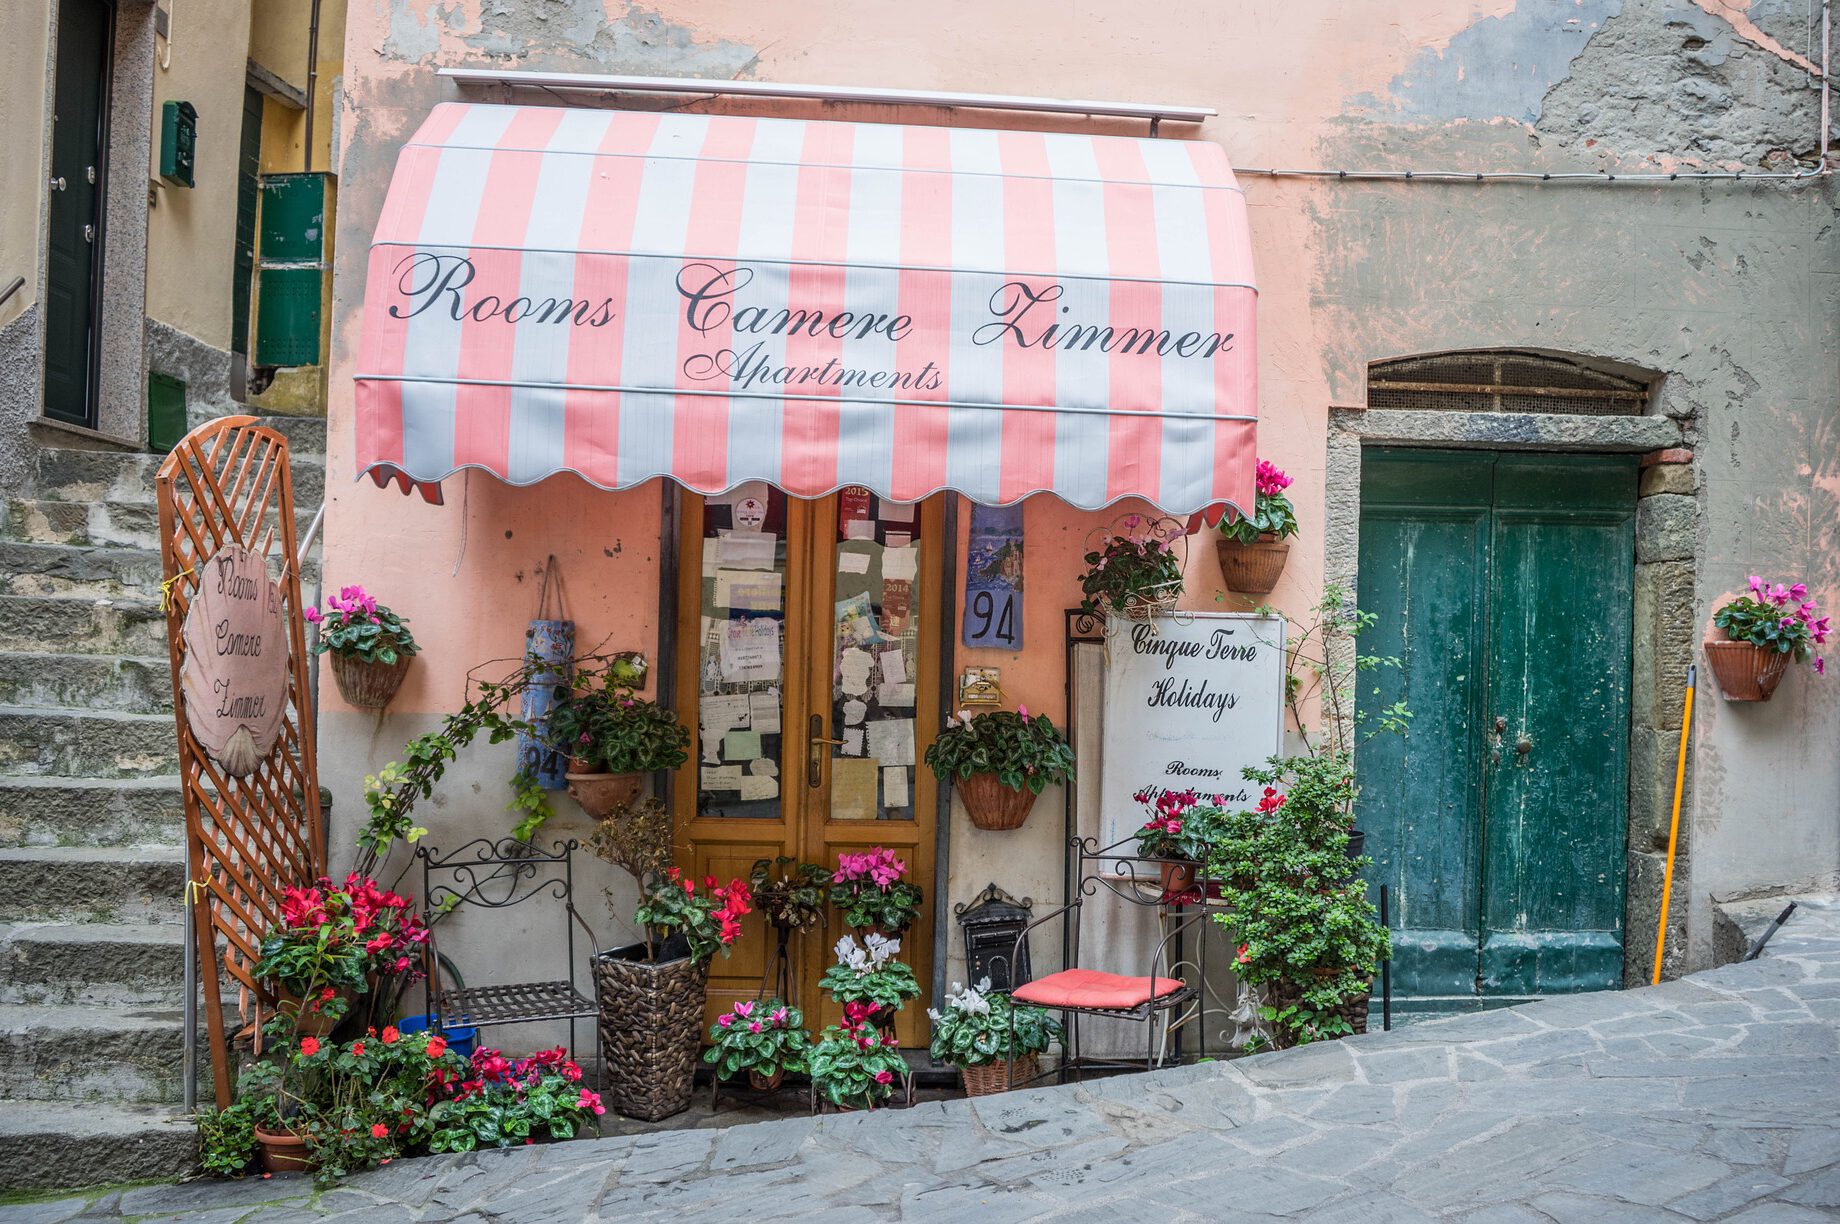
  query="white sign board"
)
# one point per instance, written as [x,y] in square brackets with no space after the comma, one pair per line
[1190,701]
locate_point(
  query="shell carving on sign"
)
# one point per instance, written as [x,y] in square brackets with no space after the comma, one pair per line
[235,674]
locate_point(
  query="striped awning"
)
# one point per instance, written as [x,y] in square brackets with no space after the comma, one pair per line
[719,299]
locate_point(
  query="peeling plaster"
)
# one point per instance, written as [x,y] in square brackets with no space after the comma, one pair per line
[1737,15]
[565,35]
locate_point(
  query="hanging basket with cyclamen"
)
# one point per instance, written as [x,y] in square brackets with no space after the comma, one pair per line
[1253,569]
[366,684]
[992,805]
[601,793]
[1746,672]
[651,1018]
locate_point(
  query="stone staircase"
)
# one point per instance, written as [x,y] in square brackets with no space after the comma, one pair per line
[92,875]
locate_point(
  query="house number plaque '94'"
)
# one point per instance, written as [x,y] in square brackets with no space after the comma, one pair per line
[235,673]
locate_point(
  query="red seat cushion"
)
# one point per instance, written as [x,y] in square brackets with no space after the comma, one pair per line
[1091,988]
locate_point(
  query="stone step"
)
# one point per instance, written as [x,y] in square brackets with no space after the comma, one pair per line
[108,884]
[41,520]
[71,743]
[52,811]
[86,682]
[128,476]
[47,1145]
[91,963]
[65,569]
[100,1054]
[79,624]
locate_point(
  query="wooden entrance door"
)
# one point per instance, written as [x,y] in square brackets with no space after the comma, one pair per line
[74,247]
[805,666]
[1504,584]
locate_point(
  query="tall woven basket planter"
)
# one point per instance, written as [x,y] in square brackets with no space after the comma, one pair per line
[1284,994]
[992,805]
[1746,672]
[369,686]
[998,1076]
[651,1024]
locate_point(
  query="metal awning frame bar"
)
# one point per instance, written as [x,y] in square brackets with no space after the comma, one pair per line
[598,83]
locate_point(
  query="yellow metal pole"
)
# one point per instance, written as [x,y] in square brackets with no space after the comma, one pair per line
[1680,778]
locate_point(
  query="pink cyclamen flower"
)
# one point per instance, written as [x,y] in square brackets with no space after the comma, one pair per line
[312,615]
[725,1021]
[754,1026]
[1798,591]
[1022,711]
[1820,666]
[1757,587]
[884,1077]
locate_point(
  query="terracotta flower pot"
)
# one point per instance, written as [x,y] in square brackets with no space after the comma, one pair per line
[1178,875]
[600,793]
[1746,672]
[766,1083]
[369,686]
[992,805]
[282,1152]
[1253,568]
[312,1022]
[581,765]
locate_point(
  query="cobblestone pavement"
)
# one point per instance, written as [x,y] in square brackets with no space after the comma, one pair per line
[1712,1098]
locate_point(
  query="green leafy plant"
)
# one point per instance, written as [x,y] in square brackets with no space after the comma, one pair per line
[869,974]
[1181,827]
[762,1036]
[871,890]
[789,893]
[1324,666]
[1139,561]
[980,1026]
[504,1103]
[600,720]
[710,920]
[226,1141]
[854,1066]
[1765,619]
[356,626]
[1024,752]
[1272,512]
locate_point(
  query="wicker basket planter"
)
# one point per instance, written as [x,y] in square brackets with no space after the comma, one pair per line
[1746,672]
[1147,607]
[600,793]
[1252,568]
[992,805]
[369,686]
[1284,994]
[998,1076]
[651,1024]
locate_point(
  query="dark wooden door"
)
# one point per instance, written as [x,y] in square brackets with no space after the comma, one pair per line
[248,179]
[1504,584]
[74,215]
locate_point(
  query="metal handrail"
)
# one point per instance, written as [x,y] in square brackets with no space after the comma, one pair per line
[15,287]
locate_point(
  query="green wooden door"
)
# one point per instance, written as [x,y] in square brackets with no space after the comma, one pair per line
[1504,584]
[74,216]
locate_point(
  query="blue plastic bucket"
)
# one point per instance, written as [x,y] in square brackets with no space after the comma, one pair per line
[459,1040]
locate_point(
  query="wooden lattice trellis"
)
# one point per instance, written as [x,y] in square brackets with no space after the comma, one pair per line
[247,839]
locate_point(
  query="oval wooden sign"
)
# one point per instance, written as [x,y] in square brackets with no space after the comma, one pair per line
[235,674]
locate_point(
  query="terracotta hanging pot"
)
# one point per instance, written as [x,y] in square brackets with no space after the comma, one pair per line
[369,686]
[1178,875]
[992,805]
[600,793]
[1746,672]
[282,1152]
[1252,568]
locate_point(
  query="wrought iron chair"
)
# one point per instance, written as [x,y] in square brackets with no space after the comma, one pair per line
[498,874]
[1147,997]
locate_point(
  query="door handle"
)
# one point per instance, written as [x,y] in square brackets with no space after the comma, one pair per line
[1523,745]
[57,183]
[814,752]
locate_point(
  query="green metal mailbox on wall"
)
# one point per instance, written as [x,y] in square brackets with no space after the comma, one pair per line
[178,143]
[292,269]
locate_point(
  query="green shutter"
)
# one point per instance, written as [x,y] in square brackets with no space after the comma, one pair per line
[165,412]
[293,270]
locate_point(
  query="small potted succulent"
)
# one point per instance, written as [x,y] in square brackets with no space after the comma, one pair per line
[1134,572]
[994,1042]
[870,890]
[1177,837]
[789,894]
[856,1066]
[764,1038]
[1765,630]
[370,646]
[613,739]
[1000,762]
[868,974]
[651,992]
[1251,548]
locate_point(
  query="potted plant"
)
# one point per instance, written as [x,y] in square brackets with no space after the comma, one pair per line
[789,894]
[503,1102]
[370,646]
[1134,572]
[871,892]
[1000,762]
[1763,635]
[1252,550]
[764,1038]
[613,739]
[1177,836]
[869,975]
[334,943]
[855,1066]
[994,1042]
[651,992]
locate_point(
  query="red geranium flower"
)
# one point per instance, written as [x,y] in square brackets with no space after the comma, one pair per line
[379,1130]
[437,1046]
[390,1035]
[309,1046]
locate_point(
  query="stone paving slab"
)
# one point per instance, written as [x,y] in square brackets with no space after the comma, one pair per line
[1715,1098]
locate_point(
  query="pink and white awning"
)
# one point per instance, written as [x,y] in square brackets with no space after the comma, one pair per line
[718,299]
